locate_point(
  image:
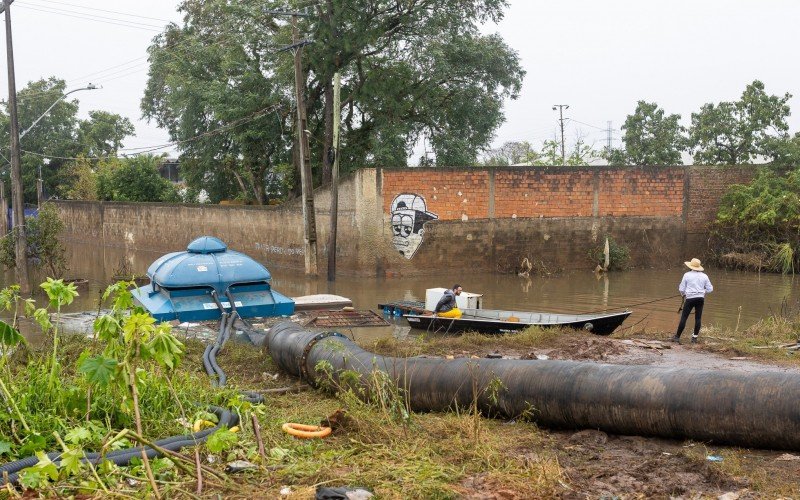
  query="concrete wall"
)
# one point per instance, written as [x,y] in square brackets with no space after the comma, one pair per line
[481,218]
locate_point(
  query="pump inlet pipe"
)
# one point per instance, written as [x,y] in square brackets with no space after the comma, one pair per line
[755,409]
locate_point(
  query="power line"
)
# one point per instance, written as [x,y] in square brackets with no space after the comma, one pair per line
[149,149]
[103,10]
[85,17]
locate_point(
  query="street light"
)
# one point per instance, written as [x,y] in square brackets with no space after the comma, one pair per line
[88,87]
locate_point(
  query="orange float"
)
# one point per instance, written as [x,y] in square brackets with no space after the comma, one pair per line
[304,431]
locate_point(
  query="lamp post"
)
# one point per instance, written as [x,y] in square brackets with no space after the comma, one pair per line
[88,87]
[39,181]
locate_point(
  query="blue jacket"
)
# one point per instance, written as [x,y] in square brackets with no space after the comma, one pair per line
[446,303]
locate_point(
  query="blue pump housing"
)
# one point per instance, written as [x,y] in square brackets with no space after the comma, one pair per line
[193,285]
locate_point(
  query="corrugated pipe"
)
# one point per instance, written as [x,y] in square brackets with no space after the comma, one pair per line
[755,409]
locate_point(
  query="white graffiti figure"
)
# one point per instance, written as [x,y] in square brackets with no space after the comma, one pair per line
[409,214]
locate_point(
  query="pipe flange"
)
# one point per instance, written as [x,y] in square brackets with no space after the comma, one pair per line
[304,374]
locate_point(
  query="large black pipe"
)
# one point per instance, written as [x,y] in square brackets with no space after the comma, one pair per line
[756,409]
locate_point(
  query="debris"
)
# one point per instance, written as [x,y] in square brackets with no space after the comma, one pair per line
[787,457]
[731,495]
[343,493]
[714,458]
[542,356]
[286,491]
[494,355]
[239,466]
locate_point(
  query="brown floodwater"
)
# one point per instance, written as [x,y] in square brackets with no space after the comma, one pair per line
[739,298]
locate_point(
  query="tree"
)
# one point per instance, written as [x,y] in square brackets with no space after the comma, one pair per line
[739,132]
[133,179]
[218,81]
[102,134]
[512,153]
[47,146]
[784,151]
[651,138]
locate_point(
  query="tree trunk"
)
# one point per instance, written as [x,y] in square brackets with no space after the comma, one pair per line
[327,146]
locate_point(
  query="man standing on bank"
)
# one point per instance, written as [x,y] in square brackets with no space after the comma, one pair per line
[447,306]
[694,287]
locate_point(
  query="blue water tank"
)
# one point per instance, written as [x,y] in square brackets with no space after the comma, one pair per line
[181,284]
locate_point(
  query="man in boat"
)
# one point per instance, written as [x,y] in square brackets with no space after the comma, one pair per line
[447,306]
[694,287]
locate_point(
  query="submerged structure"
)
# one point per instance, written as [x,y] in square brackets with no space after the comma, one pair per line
[208,280]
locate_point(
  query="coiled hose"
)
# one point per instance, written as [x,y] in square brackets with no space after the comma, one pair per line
[123,457]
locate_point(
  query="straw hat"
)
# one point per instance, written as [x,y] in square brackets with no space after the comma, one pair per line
[694,265]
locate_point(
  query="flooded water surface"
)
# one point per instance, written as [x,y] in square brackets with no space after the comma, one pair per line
[739,298]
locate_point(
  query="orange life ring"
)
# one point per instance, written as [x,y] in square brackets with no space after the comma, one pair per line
[304,431]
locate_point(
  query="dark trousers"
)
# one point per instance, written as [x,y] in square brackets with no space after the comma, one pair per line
[697,305]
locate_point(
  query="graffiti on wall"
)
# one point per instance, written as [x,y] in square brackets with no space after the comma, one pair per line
[409,214]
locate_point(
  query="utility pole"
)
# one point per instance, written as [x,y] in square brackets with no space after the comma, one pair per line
[608,137]
[303,155]
[561,108]
[18,209]
[309,216]
[337,118]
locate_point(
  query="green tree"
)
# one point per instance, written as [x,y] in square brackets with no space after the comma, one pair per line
[59,135]
[133,179]
[512,153]
[651,138]
[102,134]
[785,151]
[739,132]
[218,76]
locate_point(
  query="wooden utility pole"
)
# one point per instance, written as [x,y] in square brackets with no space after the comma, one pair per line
[304,159]
[4,207]
[337,117]
[560,108]
[18,208]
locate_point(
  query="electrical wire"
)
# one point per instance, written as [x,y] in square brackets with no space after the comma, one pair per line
[148,149]
[84,17]
[102,10]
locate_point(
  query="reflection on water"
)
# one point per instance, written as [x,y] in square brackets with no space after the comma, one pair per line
[739,297]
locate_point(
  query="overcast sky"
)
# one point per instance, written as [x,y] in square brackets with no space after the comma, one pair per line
[597,57]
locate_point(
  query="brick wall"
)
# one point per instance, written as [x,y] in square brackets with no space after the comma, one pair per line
[469,193]
[704,190]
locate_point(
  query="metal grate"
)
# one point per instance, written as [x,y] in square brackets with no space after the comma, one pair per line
[332,319]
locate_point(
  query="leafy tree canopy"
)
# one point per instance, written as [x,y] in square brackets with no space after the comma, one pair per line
[133,179]
[651,138]
[58,136]
[408,68]
[739,132]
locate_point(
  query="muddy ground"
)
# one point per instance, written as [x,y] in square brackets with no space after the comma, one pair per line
[598,465]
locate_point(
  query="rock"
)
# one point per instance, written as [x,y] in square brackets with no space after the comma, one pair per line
[239,466]
[731,495]
[787,457]
[589,437]
[343,493]
[494,355]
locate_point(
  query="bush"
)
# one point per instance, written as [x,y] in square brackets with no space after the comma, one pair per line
[762,220]
[44,248]
[619,255]
[134,179]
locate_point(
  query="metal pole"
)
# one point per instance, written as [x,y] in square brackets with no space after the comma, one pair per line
[307,184]
[18,208]
[561,121]
[337,117]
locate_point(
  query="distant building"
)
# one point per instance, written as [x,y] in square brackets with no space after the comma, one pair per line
[170,170]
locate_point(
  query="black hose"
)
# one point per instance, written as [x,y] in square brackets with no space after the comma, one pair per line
[755,409]
[123,457]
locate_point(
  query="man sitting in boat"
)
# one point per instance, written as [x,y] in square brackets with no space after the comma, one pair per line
[447,306]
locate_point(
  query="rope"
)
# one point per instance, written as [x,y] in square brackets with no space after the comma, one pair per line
[628,306]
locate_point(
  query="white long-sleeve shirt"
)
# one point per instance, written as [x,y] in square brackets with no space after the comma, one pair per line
[695,284]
